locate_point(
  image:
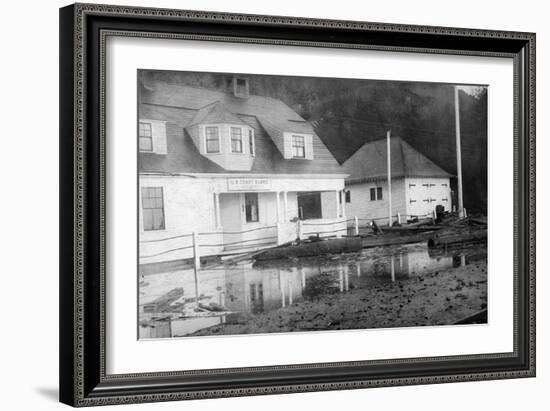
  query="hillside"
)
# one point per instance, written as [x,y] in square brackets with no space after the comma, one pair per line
[347,113]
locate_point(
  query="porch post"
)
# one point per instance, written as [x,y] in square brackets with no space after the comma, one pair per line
[217,207]
[278,206]
[337,203]
[343,202]
[285,215]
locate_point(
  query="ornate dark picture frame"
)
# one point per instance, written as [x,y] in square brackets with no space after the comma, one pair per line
[83,31]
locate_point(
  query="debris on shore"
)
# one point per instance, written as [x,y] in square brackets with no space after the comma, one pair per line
[437,298]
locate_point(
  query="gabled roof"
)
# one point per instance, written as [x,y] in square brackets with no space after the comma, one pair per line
[181,106]
[215,113]
[369,163]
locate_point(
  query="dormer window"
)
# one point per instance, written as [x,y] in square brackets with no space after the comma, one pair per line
[212,139]
[145,136]
[240,87]
[226,144]
[236,140]
[152,136]
[298,147]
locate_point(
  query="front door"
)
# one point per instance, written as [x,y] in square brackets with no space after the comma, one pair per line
[309,205]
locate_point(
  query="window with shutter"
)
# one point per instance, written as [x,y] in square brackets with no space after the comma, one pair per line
[298,146]
[145,137]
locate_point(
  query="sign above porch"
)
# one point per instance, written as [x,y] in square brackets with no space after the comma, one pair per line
[247,184]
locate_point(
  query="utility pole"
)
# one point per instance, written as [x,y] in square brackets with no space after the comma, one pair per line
[458,155]
[388,136]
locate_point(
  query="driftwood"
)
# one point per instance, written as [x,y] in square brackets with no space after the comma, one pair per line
[453,236]
[332,246]
[394,239]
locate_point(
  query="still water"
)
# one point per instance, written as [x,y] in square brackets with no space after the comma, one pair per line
[228,292]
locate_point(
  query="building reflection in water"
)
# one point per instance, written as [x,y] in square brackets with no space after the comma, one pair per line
[245,290]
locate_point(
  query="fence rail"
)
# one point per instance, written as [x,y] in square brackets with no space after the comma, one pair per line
[195,245]
[238,232]
[165,239]
[328,223]
[303,228]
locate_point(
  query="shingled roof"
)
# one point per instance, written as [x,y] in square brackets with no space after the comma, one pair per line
[369,163]
[181,106]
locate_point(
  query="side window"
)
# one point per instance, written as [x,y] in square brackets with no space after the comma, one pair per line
[153,208]
[375,193]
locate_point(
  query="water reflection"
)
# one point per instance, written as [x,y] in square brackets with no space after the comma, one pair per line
[168,307]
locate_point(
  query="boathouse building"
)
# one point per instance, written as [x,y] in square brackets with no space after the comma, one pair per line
[418,184]
[238,170]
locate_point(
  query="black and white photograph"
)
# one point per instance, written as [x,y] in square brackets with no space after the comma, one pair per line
[277,204]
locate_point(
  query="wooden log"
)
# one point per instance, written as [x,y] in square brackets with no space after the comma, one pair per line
[332,246]
[454,236]
[394,239]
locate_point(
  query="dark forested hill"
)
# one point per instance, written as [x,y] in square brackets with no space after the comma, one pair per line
[347,113]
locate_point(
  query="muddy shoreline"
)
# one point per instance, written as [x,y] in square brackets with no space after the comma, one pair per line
[440,297]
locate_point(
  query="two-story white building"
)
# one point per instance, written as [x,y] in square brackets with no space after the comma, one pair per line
[237,169]
[418,184]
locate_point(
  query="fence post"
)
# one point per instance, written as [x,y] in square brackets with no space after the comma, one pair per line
[299,229]
[465,213]
[434,215]
[356,222]
[398,218]
[196,264]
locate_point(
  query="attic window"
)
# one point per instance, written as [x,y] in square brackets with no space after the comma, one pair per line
[298,147]
[145,137]
[236,140]
[240,87]
[212,140]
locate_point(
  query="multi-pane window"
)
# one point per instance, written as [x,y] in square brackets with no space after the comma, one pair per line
[348,196]
[298,146]
[376,193]
[145,136]
[153,208]
[212,139]
[251,143]
[236,140]
[251,207]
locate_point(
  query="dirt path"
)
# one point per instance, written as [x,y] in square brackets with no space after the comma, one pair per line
[438,298]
